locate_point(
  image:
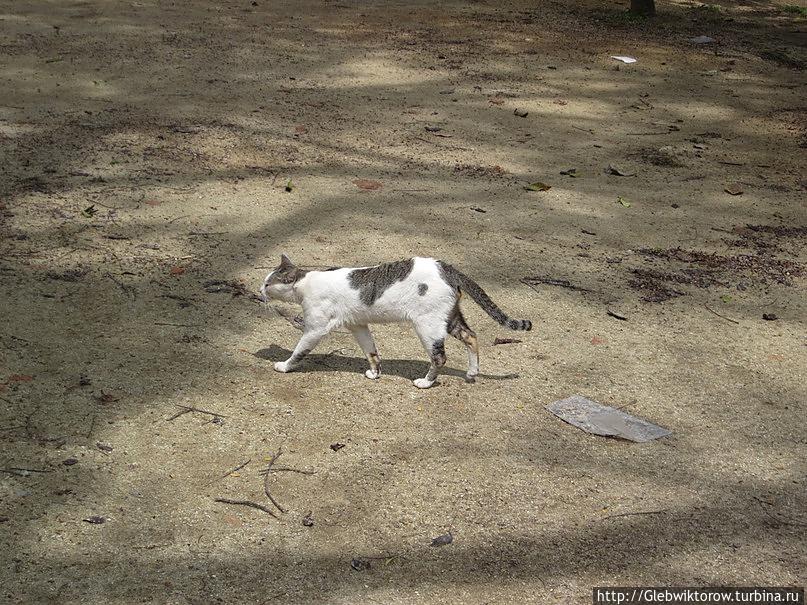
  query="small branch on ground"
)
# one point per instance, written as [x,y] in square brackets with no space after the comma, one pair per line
[228,473]
[549,281]
[641,512]
[186,409]
[734,321]
[246,503]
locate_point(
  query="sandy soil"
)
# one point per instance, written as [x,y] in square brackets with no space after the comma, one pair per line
[145,151]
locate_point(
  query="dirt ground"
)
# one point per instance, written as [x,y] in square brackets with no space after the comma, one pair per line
[146,148]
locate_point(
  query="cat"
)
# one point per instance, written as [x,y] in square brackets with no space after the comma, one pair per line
[423,291]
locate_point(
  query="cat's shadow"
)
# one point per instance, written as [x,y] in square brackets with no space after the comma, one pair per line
[335,362]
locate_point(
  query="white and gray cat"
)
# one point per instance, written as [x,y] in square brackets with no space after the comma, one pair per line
[423,291]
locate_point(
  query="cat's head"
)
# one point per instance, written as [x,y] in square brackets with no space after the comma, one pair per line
[279,284]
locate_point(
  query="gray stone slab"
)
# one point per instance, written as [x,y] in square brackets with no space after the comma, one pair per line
[604,420]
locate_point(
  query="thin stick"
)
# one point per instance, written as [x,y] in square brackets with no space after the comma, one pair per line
[641,512]
[186,409]
[246,503]
[268,471]
[21,472]
[281,469]
[721,316]
[235,470]
[269,495]
[530,281]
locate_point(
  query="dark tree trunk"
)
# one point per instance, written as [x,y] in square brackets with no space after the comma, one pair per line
[643,7]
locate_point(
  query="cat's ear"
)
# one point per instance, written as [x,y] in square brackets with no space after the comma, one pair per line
[285,261]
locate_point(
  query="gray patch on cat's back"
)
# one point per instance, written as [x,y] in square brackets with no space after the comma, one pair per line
[422,288]
[372,282]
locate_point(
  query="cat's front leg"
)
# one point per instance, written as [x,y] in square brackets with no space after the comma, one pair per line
[308,341]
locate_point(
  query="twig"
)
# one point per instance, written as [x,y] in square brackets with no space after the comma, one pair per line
[127,289]
[588,130]
[644,134]
[187,408]
[23,472]
[641,512]
[294,321]
[732,163]
[734,321]
[235,470]
[246,503]
[266,476]
[281,469]
[269,495]
[531,281]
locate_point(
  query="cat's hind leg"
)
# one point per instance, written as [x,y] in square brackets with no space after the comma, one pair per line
[367,344]
[459,329]
[432,335]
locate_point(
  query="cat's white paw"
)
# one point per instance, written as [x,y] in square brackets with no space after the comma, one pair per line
[422,383]
[372,374]
[470,378]
[281,366]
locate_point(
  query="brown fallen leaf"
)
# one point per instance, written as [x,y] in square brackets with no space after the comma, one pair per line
[20,378]
[496,101]
[598,341]
[537,186]
[152,202]
[300,129]
[177,270]
[367,185]
[734,189]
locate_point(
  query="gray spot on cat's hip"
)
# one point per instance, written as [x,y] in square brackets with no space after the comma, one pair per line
[372,282]
[422,288]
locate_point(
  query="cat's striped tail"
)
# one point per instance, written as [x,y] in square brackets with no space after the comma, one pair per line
[465,284]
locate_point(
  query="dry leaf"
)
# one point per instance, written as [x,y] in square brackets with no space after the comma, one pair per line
[20,378]
[367,185]
[598,341]
[152,202]
[177,270]
[538,186]
[300,129]
[734,189]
